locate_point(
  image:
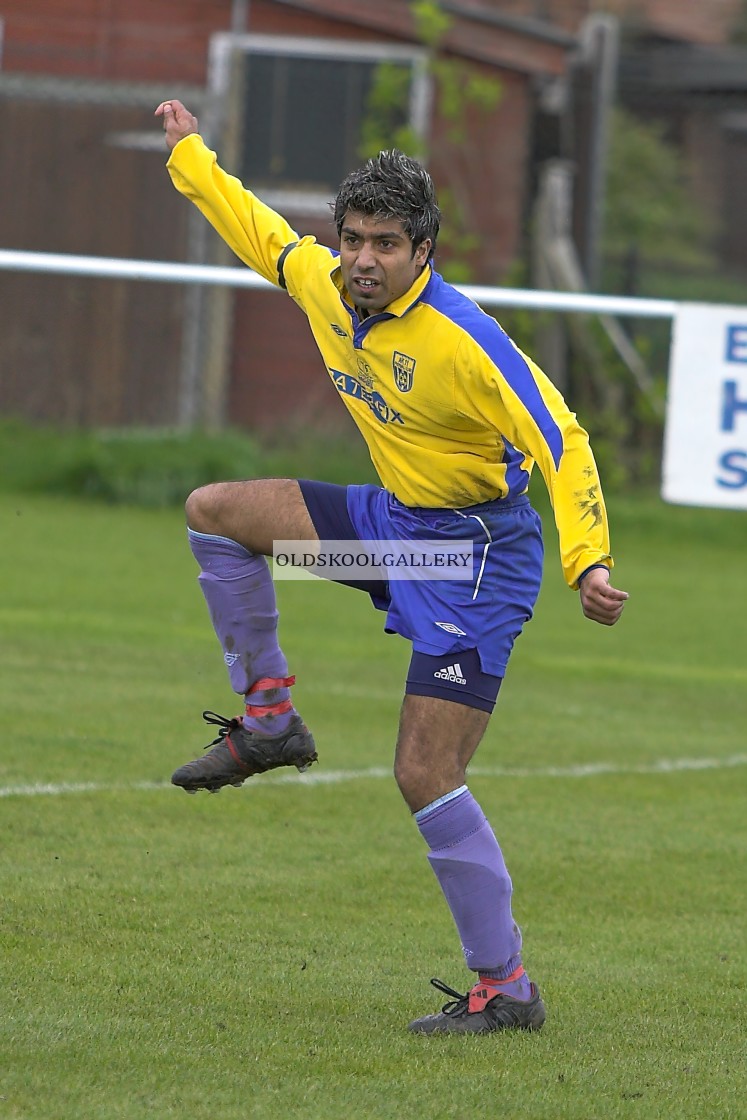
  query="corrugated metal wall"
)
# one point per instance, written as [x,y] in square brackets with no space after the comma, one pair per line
[77,350]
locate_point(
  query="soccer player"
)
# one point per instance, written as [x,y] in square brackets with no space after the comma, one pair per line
[454,416]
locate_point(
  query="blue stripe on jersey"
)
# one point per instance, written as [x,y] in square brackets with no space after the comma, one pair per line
[491,338]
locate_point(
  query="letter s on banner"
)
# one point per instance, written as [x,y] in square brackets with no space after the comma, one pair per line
[730,461]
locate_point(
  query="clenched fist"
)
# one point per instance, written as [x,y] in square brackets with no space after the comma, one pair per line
[599,600]
[178,122]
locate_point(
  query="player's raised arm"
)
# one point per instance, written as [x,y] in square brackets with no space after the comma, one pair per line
[178,122]
[254,231]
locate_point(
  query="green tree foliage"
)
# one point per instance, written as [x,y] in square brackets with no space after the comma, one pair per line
[649,208]
[385,123]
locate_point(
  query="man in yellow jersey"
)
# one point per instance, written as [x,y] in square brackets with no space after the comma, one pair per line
[454,416]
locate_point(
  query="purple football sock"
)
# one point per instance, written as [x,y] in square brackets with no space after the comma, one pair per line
[469,866]
[240,596]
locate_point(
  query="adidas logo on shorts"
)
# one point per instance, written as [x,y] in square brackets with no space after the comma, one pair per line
[451,673]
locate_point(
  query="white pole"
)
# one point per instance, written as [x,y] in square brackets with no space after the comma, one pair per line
[174,273]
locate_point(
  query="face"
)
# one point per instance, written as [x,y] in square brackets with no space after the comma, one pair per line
[377,261]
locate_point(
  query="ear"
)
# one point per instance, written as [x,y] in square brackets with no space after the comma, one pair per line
[423,251]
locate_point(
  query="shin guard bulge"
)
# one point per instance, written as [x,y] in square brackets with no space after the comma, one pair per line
[240,596]
[470,868]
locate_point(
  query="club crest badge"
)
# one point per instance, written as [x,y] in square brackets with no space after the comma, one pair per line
[404,369]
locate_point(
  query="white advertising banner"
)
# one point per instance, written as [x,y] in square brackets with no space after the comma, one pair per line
[705,439]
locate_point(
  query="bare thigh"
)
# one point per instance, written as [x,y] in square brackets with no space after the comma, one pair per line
[437,738]
[254,513]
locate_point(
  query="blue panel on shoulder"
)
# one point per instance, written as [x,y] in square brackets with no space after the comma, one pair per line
[494,341]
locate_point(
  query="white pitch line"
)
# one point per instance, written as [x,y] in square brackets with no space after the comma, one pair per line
[333,777]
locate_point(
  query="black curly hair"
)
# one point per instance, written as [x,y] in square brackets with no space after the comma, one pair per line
[392,185]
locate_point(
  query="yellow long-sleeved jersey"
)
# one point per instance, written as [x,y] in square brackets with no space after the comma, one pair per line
[451,410]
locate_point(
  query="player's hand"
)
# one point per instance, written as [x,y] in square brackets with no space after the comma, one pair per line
[599,600]
[178,122]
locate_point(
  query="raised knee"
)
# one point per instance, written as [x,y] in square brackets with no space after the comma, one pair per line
[203,509]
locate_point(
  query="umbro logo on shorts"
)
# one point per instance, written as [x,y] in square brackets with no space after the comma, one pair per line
[231,658]
[451,628]
[451,673]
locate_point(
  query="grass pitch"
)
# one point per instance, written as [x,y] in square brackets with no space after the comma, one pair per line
[259,953]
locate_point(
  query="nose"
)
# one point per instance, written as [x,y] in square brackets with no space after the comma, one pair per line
[366,256]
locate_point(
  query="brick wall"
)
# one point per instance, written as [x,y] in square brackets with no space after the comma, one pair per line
[122,40]
[158,40]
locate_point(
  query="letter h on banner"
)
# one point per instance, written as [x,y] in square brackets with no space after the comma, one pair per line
[732,405]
